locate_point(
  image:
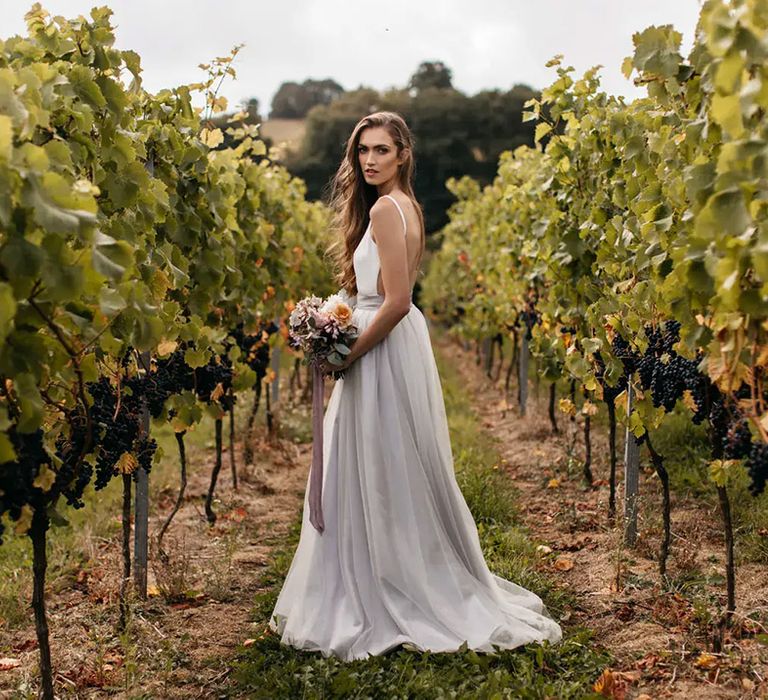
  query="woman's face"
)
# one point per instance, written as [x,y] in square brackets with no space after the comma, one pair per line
[377,155]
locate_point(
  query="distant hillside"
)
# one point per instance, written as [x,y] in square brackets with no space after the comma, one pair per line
[288,132]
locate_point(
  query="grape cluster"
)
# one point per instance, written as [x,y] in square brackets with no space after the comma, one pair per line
[757,465]
[17,477]
[71,478]
[623,351]
[667,374]
[209,376]
[737,442]
[170,375]
[116,435]
[254,349]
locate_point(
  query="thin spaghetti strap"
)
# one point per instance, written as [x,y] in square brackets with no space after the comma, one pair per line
[402,216]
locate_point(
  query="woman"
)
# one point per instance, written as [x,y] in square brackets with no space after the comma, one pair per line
[395,557]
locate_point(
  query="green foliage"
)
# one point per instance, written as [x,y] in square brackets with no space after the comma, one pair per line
[630,214]
[121,227]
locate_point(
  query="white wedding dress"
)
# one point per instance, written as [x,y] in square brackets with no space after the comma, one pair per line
[399,559]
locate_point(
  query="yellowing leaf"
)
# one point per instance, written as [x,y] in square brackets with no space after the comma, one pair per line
[25,520]
[127,463]
[211,137]
[689,401]
[45,478]
[166,347]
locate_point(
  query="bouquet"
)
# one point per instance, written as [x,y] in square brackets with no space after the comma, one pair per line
[323,329]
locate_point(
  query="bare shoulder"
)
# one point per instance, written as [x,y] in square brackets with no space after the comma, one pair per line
[384,204]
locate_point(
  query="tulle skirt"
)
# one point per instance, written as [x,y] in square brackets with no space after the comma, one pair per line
[400,558]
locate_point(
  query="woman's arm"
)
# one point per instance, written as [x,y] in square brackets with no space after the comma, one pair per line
[393,256]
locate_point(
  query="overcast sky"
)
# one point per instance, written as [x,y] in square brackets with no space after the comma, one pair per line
[486,43]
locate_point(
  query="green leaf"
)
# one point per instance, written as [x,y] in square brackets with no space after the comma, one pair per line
[7,310]
[726,111]
[6,137]
[542,129]
[54,204]
[7,453]
[196,358]
[111,257]
[56,519]
[31,403]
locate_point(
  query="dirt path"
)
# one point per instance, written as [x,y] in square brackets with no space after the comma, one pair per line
[657,637]
[178,649]
[183,649]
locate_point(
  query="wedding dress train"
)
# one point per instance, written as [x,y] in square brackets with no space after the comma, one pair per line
[399,559]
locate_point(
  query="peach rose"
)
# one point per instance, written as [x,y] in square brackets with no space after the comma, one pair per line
[343,314]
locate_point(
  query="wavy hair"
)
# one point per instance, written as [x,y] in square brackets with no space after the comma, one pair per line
[352,197]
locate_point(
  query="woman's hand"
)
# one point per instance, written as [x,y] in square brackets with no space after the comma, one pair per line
[328,367]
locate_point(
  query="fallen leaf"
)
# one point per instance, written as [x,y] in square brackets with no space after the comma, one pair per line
[706,661]
[563,564]
[609,685]
[7,664]
[249,642]
[553,483]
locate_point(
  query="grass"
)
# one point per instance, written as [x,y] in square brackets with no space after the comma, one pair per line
[72,547]
[268,669]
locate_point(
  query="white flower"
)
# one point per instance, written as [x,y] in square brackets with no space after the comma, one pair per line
[330,303]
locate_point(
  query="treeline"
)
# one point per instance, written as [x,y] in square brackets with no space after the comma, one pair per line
[455,134]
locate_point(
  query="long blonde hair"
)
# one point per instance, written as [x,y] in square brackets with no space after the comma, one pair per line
[352,197]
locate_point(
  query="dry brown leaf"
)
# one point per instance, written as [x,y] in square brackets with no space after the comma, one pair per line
[563,564]
[127,463]
[610,686]
[6,664]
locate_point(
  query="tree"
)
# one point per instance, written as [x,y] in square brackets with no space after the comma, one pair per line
[294,100]
[431,74]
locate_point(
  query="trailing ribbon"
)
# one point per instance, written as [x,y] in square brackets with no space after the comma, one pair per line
[316,475]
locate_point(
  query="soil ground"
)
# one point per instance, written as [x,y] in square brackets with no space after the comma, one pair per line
[183,638]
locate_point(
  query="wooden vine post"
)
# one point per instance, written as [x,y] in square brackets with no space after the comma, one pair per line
[141,504]
[523,370]
[631,477]
[276,369]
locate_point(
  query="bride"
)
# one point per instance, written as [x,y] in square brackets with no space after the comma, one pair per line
[394,555]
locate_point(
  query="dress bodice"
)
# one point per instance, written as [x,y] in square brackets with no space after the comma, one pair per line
[367,265]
